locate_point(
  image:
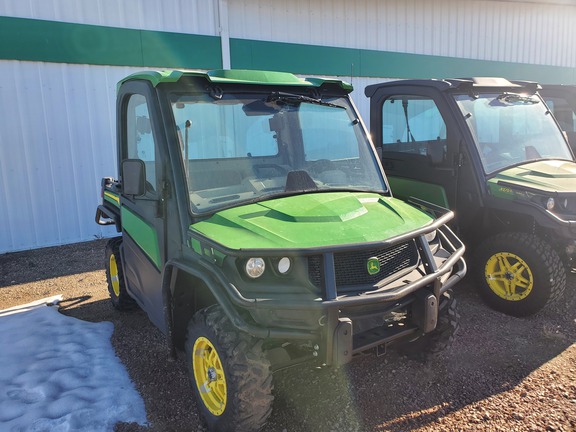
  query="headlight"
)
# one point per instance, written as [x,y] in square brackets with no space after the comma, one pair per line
[284,265]
[550,204]
[430,237]
[255,267]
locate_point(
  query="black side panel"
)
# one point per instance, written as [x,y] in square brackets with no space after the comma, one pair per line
[140,273]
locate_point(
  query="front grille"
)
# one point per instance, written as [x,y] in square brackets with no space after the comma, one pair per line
[351,267]
[315,270]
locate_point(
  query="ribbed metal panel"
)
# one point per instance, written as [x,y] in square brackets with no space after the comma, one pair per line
[180,16]
[57,140]
[485,30]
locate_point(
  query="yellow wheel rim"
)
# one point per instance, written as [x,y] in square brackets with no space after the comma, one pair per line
[508,276]
[114,275]
[209,376]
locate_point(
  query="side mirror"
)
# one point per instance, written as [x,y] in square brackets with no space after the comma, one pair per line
[133,177]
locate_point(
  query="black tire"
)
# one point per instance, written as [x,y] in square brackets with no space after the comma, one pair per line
[234,369]
[518,273]
[431,344]
[120,298]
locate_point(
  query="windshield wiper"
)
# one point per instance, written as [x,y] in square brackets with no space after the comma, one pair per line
[279,98]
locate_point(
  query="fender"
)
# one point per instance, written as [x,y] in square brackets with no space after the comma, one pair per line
[214,282]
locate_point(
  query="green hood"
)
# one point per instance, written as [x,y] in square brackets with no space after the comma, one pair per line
[547,176]
[312,220]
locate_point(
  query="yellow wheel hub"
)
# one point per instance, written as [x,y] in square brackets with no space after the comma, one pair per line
[114,275]
[508,276]
[209,376]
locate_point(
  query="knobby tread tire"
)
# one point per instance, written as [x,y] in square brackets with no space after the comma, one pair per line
[430,345]
[246,368]
[547,269]
[123,301]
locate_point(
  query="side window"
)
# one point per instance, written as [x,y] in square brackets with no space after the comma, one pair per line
[563,112]
[139,137]
[413,124]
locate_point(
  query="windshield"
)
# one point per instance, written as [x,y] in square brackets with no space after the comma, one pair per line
[248,147]
[510,129]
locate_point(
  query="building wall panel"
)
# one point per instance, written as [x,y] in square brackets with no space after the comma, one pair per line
[475,29]
[180,16]
[57,140]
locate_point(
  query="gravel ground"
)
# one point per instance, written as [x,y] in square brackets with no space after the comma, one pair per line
[502,374]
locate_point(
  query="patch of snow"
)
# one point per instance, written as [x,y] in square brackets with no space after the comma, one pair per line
[59,373]
[48,301]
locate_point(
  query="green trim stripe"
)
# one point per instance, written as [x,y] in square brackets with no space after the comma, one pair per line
[51,41]
[350,62]
[143,234]
[59,42]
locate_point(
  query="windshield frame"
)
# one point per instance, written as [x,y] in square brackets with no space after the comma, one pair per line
[503,140]
[255,188]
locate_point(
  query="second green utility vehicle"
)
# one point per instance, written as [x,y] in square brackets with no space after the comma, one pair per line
[258,233]
[490,150]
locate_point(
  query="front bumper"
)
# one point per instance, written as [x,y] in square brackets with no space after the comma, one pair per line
[334,323]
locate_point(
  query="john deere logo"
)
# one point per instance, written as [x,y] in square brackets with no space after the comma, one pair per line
[373,266]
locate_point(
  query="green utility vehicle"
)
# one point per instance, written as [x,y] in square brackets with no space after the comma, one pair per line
[259,233]
[488,149]
[561,99]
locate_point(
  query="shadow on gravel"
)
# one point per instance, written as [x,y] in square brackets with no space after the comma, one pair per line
[33,265]
[493,353]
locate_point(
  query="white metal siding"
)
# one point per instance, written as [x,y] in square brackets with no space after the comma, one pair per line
[180,16]
[57,140]
[485,30]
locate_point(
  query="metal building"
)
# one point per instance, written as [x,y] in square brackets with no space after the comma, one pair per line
[60,61]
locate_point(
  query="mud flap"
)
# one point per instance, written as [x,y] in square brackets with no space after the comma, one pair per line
[342,346]
[425,311]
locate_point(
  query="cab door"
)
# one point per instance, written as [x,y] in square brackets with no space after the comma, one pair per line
[420,150]
[423,149]
[143,250]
